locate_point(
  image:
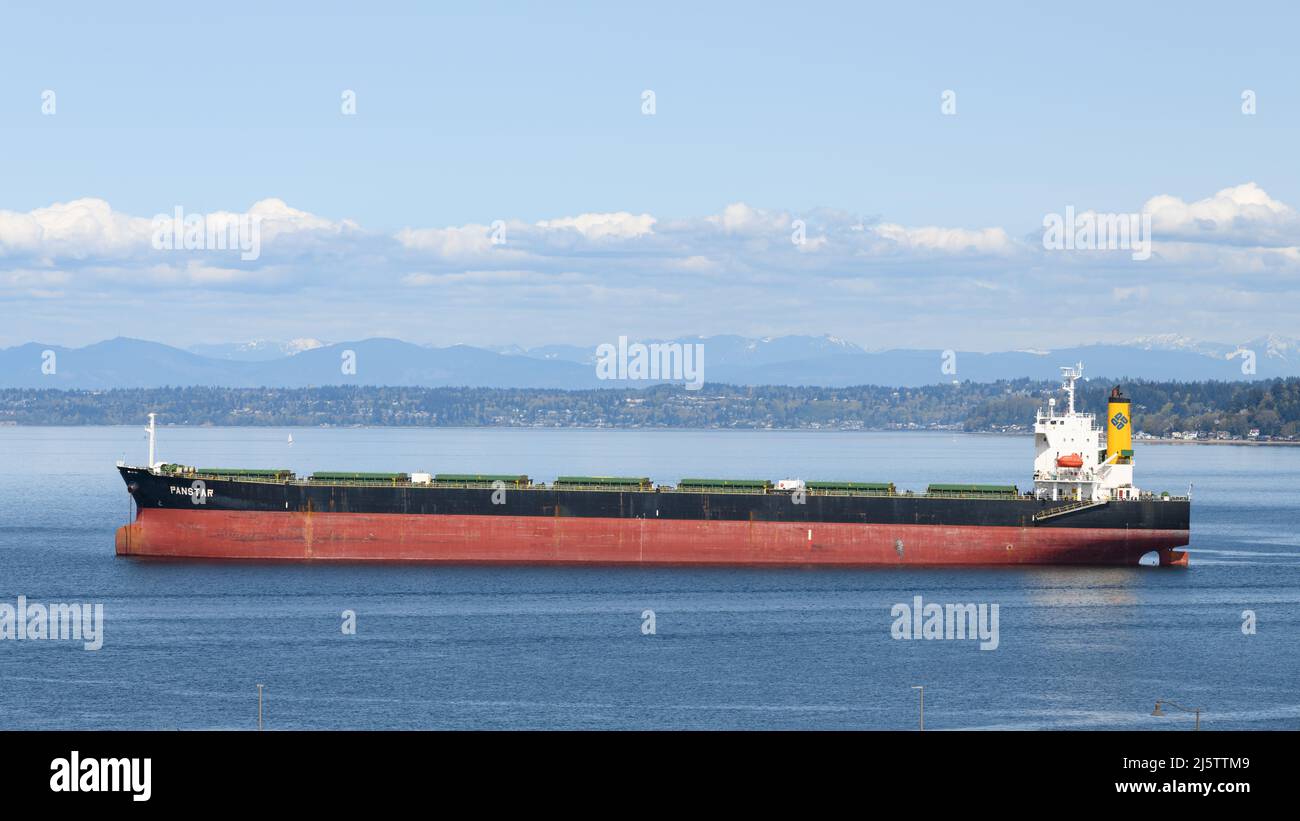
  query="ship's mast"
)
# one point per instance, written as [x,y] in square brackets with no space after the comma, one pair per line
[1068,376]
[152,439]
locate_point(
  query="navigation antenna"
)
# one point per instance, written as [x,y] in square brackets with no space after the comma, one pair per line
[1068,375]
[152,437]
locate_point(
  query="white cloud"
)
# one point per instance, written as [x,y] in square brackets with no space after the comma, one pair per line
[464,242]
[89,229]
[698,264]
[1241,214]
[80,229]
[621,225]
[424,280]
[949,240]
[739,218]
[731,271]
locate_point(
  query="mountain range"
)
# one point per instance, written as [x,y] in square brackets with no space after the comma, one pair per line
[789,360]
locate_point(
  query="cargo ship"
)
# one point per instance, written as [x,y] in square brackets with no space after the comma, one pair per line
[1083,509]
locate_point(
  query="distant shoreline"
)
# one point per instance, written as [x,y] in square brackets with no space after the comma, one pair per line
[1247,442]
[684,428]
[997,408]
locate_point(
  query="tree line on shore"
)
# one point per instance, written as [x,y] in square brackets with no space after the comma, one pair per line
[1269,409]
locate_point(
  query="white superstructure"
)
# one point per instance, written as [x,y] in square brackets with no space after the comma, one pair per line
[1070,461]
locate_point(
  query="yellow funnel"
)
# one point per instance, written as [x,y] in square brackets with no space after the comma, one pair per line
[1119,426]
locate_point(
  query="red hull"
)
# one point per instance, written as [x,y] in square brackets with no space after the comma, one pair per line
[168,533]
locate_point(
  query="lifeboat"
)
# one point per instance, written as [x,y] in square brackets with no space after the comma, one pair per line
[1073,460]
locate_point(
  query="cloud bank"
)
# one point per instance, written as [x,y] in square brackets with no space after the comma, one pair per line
[80,270]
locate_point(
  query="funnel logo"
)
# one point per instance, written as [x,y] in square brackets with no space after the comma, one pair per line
[1119,421]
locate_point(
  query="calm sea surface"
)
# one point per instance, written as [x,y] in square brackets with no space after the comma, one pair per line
[186,643]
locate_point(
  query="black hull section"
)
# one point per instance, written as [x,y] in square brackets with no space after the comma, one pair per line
[153,491]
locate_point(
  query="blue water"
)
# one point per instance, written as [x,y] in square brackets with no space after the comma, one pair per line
[186,643]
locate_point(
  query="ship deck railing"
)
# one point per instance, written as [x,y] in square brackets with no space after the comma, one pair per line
[297,480]
[618,488]
[982,497]
[303,481]
[266,480]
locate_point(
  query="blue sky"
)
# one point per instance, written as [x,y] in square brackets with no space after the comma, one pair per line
[532,113]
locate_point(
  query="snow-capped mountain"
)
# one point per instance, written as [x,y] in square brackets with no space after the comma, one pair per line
[257,350]
[737,360]
[1272,346]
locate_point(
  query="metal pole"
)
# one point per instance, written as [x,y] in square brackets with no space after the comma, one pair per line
[259,708]
[152,434]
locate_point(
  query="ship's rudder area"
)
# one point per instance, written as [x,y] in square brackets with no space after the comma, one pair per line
[1173,557]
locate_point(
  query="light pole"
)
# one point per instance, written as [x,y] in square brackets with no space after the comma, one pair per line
[259,708]
[921,689]
[1159,712]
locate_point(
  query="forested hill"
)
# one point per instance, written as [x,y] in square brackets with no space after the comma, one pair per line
[1233,409]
